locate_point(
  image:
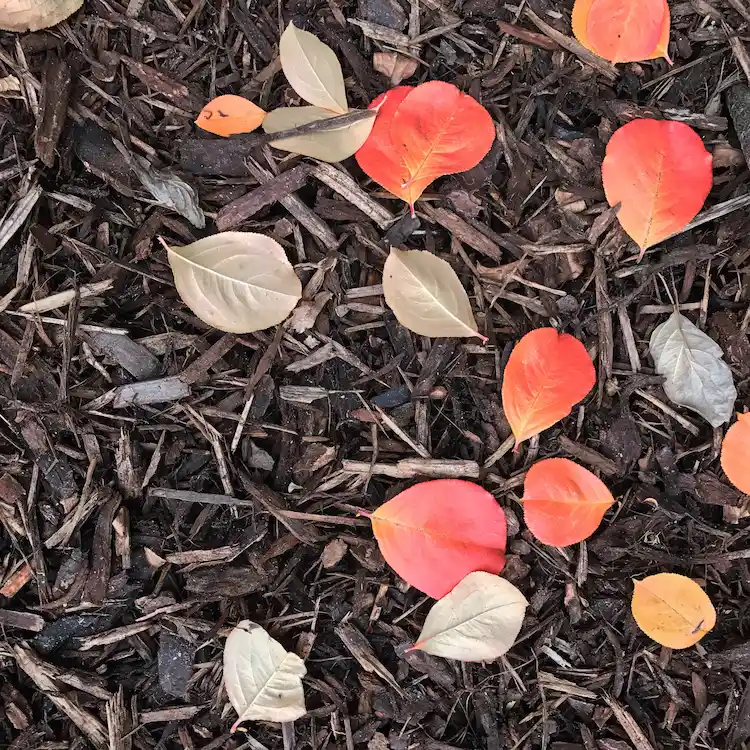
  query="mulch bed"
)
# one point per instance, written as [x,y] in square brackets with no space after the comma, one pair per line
[161,481]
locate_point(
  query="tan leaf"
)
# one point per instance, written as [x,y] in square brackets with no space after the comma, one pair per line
[262,679]
[236,281]
[312,69]
[394,65]
[33,15]
[426,295]
[330,145]
[478,621]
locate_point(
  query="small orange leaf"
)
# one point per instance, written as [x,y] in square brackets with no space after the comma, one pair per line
[672,609]
[563,503]
[229,115]
[660,173]
[735,453]
[436,533]
[546,375]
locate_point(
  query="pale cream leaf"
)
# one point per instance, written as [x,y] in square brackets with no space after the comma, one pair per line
[33,15]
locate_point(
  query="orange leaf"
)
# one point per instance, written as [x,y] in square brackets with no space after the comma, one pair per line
[546,375]
[735,453]
[229,114]
[435,533]
[660,173]
[672,609]
[563,503]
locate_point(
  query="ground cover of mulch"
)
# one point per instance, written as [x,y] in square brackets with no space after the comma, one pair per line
[160,481]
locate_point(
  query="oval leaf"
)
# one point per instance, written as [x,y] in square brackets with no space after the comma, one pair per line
[478,621]
[435,533]
[312,69]
[672,610]
[696,376]
[330,145]
[229,114]
[735,453]
[33,15]
[426,295]
[546,375]
[660,173]
[563,503]
[263,680]
[236,281]
[625,30]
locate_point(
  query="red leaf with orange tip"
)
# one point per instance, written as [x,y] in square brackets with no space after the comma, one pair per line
[546,375]
[563,503]
[229,115]
[660,173]
[735,453]
[435,533]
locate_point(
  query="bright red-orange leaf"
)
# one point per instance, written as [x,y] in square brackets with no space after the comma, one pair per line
[660,173]
[735,453]
[435,533]
[563,503]
[229,115]
[546,375]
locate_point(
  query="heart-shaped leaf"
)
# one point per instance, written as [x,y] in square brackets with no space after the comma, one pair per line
[735,453]
[229,114]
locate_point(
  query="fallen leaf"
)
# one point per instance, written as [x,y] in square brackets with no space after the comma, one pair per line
[236,281]
[394,65]
[229,115]
[312,69]
[262,679]
[546,375]
[435,533]
[563,503]
[672,609]
[478,621]
[33,15]
[660,173]
[735,453]
[330,145]
[696,375]
[426,296]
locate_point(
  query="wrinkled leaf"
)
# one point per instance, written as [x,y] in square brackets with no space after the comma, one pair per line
[672,610]
[478,621]
[394,65]
[33,15]
[696,375]
[229,115]
[735,453]
[312,69]
[546,375]
[262,679]
[660,173]
[236,281]
[330,145]
[426,295]
[563,503]
[435,533]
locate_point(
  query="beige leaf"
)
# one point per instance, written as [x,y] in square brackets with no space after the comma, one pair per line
[330,145]
[236,281]
[394,65]
[478,621]
[312,69]
[262,679]
[33,15]
[426,295]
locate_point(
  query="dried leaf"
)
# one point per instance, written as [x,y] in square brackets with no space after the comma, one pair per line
[672,609]
[696,375]
[262,679]
[330,145]
[33,15]
[478,621]
[236,281]
[229,115]
[312,69]
[394,65]
[426,295]
[735,453]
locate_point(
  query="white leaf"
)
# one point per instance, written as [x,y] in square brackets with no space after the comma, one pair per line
[478,621]
[696,375]
[330,145]
[33,15]
[312,69]
[426,295]
[236,281]
[263,680]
